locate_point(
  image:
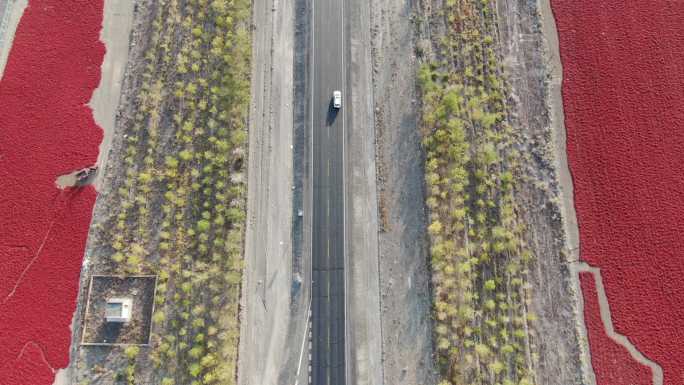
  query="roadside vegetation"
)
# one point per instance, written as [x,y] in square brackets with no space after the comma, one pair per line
[180,209]
[479,258]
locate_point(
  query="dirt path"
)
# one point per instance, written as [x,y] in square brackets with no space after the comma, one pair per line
[267,347]
[116,30]
[607,321]
[10,14]
[557,118]
[567,204]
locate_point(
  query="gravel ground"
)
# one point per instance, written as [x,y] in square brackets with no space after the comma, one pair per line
[404,274]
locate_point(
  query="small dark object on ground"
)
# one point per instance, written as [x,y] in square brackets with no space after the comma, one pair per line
[86,176]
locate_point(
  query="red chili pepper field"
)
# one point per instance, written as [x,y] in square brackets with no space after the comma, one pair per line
[612,364]
[46,130]
[623,92]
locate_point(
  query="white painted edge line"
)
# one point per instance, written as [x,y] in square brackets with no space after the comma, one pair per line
[311,164]
[607,320]
[347,353]
[301,353]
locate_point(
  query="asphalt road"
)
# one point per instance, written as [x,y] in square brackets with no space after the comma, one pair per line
[328,125]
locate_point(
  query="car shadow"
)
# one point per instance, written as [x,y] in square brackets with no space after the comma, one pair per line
[332,114]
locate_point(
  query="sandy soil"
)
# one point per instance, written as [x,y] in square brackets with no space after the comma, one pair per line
[557,121]
[364,332]
[404,275]
[62,378]
[274,315]
[116,30]
[10,14]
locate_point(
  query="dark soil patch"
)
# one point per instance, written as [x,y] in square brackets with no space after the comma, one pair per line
[140,289]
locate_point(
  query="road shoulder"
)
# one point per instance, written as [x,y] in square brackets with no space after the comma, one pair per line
[266,344]
[405,300]
[363,298]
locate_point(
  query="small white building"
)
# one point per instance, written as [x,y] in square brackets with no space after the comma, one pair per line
[119,310]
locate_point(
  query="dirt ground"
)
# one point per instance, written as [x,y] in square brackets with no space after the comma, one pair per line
[554,298]
[404,274]
[364,329]
[116,29]
[137,331]
[274,314]
[10,14]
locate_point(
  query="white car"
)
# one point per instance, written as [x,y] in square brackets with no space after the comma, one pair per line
[337,99]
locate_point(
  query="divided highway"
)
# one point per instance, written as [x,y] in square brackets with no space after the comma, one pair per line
[328,227]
